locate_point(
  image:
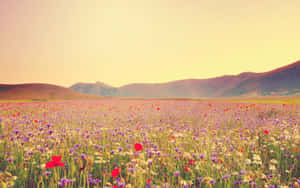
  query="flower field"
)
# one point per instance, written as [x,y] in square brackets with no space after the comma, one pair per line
[144,143]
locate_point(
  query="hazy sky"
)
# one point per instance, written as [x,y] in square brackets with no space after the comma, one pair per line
[129,41]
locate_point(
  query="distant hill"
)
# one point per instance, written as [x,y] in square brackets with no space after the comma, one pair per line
[281,81]
[97,88]
[40,92]
[278,82]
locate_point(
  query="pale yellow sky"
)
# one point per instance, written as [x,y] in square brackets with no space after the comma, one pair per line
[132,41]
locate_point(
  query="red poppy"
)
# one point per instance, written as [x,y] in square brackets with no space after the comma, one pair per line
[295,150]
[35,121]
[115,172]
[56,161]
[138,147]
[266,131]
[241,150]
[114,186]
[192,161]
[172,137]
[186,168]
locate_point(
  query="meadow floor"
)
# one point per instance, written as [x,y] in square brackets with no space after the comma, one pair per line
[150,143]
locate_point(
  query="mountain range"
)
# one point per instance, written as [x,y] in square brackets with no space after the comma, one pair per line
[279,82]
[284,81]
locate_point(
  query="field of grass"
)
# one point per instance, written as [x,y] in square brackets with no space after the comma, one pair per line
[272,100]
[150,143]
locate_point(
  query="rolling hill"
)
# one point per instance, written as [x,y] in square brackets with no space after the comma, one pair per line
[98,88]
[279,82]
[40,92]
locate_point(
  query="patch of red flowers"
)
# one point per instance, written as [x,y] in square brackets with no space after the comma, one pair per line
[192,162]
[138,147]
[186,168]
[295,150]
[266,131]
[115,172]
[56,161]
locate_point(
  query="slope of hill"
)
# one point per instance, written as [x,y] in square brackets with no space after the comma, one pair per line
[281,81]
[40,92]
[98,88]
[185,88]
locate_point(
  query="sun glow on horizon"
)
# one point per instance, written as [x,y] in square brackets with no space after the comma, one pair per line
[119,42]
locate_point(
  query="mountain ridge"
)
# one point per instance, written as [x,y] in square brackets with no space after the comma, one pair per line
[280,81]
[283,81]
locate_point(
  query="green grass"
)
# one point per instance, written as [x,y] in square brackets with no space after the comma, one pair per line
[271,101]
[260,100]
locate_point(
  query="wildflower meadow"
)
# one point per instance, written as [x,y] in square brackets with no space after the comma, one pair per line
[149,143]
